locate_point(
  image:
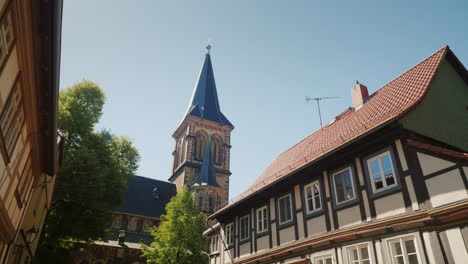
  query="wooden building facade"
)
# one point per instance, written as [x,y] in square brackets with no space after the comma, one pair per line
[30,146]
[386,181]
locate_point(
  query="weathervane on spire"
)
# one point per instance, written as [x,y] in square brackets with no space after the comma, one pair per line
[208,47]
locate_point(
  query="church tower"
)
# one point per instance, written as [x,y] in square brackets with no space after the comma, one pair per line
[203,145]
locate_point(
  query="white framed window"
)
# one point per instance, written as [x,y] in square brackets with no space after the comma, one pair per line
[343,185]
[381,171]
[285,209]
[404,250]
[359,254]
[6,36]
[244,227]
[229,234]
[214,244]
[324,259]
[312,197]
[262,219]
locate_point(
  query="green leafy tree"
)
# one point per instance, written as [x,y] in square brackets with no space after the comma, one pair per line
[179,239]
[93,176]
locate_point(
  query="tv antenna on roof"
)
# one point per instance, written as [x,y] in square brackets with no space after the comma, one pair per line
[318,99]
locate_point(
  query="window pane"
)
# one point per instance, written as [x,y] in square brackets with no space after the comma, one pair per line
[366,262]
[399,260]
[319,261]
[409,244]
[375,168]
[364,253]
[282,210]
[317,202]
[285,209]
[378,183]
[396,248]
[413,259]
[348,185]
[328,261]
[316,189]
[354,254]
[339,185]
[386,162]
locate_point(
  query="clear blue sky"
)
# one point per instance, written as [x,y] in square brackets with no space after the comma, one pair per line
[267,57]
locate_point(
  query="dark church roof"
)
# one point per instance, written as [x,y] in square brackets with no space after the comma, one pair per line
[146,197]
[204,103]
[207,174]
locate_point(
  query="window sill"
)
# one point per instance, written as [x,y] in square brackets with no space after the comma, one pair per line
[286,225]
[385,192]
[346,204]
[261,234]
[314,213]
[243,241]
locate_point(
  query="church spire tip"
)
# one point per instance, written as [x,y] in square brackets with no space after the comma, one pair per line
[208,48]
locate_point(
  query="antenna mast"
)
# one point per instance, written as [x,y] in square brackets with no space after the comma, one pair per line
[318,99]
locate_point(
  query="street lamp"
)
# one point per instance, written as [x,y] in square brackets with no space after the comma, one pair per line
[31,234]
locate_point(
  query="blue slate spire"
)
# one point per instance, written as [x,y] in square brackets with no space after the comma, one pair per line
[204,103]
[207,174]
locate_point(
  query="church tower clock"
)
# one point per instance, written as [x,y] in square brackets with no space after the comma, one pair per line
[202,145]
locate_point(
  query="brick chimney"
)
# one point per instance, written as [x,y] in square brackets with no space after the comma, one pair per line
[359,94]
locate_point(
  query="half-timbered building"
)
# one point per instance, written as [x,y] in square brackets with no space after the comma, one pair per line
[30,146]
[384,182]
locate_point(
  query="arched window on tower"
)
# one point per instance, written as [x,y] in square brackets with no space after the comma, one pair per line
[217,149]
[211,201]
[200,145]
[200,202]
[180,151]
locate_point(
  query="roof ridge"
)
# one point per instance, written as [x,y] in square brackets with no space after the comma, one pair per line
[388,103]
[314,132]
[153,179]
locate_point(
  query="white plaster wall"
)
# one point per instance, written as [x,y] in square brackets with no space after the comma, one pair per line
[300,225]
[411,192]
[357,163]
[244,249]
[457,245]
[273,235]
[272,209]
[263,243]
[430,164]
[429,250]
[297,195]
[287,235]
[349,216]
[389,205]
[228,256]
[316,225]
[446,188]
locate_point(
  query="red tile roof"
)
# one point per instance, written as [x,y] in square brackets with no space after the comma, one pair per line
[443,151]
[388,103]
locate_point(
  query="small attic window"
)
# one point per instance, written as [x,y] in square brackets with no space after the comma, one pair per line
[156,193]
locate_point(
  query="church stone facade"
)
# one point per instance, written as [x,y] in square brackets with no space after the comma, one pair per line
[203,144]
